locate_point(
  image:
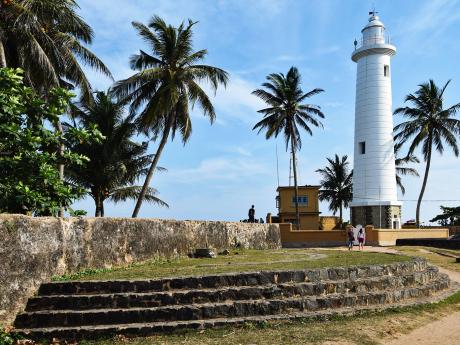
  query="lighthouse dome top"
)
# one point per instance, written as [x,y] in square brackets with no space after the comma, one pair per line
[374,40]
[373,21]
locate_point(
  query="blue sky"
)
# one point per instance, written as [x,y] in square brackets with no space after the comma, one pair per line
[226,167]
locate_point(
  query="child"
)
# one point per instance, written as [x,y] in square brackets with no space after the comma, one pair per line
[351,238]
[361,237]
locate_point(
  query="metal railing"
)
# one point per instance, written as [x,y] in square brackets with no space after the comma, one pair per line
[378,39]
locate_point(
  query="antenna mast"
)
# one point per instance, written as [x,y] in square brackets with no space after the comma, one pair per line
[277,165]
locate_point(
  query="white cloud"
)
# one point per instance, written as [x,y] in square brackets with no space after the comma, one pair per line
[424,27]
[240,150]
[219,169]
[237,102]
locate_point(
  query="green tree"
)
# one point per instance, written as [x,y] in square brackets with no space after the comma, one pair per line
[336,184]
[449,216]
[29,182]
[116,162]
[167,86]
[47,38]
[430,125]
[286,112]
[401,168]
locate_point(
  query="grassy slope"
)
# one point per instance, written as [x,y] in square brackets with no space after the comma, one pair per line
[237,261]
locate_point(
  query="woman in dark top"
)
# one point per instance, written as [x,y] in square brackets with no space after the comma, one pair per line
[351,238]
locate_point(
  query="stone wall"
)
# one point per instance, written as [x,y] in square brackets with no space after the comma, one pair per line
[378,216]
[34,249]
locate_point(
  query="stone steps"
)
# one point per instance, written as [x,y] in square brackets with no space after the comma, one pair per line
[232,279]
[216,310]
[213,295]
[75,310]
[144,329]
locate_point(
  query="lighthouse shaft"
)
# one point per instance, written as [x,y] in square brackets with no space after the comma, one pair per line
[374,182]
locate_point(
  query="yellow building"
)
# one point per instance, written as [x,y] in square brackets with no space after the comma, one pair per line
[308,206]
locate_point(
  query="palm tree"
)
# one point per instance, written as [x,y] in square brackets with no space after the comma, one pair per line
[167,85]
[285,112]
[116,163]
[430,124]
[401,169]
[46,39]
[336,184]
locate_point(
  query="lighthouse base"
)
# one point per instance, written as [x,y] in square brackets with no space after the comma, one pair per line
[380,216]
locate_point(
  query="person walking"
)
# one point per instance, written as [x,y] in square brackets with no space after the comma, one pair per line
[361,238]
[252,214]
[351,238]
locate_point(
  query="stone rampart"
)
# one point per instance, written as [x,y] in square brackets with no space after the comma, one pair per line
[34,249]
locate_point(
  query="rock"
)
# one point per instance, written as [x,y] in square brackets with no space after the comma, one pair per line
[224,252]
[204,253]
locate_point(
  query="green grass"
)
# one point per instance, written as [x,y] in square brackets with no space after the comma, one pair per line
[367,328]
[237,261]
[436,259]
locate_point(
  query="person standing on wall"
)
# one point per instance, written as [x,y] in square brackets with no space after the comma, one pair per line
[252,214]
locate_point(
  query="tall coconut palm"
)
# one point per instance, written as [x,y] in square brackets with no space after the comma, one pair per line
[117,162]
[46,39]
[286,112]
[401,168]
[167,85]
[430,125]
[336,185]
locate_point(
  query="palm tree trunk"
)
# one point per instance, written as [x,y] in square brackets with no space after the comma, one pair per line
[149,176]
[340,216]
[296,188]
[425,178]
[2,55]
[97,201]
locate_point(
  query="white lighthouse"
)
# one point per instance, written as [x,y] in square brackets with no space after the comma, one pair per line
[375,200]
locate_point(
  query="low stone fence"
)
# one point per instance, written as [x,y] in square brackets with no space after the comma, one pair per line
[34,249]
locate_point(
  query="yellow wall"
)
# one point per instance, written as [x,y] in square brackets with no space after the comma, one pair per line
[310,238]
[380,237]
[306,221]
[388,237]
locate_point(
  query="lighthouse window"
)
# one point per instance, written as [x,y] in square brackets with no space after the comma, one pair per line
[386,71]
[362,147]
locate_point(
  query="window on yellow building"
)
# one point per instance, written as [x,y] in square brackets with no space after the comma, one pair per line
[301,200]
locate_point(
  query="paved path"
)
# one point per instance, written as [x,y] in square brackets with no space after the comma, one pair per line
[445,331]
